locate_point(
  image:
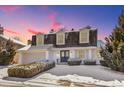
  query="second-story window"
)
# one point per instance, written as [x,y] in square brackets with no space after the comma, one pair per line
[84,36]
[60,38]
[40,39]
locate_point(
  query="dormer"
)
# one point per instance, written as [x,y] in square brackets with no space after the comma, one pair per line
[40,39]
[60,38]
[84,35]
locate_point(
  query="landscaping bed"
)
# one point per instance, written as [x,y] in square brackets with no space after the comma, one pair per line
[89,62]
[72,63]
[103,63]
[29,70]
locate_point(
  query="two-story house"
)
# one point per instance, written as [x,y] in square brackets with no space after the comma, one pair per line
[61,46]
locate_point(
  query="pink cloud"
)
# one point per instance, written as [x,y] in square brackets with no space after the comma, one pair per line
[11,31]
[56,25]
[25,24]
[32,31]
[9,9]
[52,16]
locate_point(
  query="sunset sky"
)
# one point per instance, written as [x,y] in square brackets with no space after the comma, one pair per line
[24,21]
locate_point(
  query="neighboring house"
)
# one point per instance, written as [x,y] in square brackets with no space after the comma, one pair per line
[17,43]
[61,46]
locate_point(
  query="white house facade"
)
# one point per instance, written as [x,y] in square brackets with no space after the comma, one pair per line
[62,46]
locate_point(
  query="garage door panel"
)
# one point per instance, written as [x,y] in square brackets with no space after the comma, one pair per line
[34,57]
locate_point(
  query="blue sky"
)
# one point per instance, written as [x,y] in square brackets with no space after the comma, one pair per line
[24,21]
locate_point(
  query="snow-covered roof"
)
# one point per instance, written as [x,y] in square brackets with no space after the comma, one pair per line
[67,31]
[14,40]
[100,43]
[24,48]
[30,48]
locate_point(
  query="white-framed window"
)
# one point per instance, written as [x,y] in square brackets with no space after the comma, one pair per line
[93,53]
[60,38]
[84,36]
[40,39]
[80,53]
[62,54]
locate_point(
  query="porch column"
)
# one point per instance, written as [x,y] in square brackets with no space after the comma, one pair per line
[47,55]
[72,54]
[20,58]
[90,54]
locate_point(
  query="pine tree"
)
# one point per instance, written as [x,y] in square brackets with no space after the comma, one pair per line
[7,52]
[113,53]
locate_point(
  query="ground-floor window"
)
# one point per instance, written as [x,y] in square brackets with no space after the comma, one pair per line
[93,53]
[80,54]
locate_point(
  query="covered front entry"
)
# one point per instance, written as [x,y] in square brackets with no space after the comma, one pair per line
[64,55]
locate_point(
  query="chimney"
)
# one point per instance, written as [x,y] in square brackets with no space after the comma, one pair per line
[88,27]
[52,30]
[1,30]
[72,29]
[29,42]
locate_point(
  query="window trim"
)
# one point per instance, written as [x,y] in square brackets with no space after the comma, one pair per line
[37,39]
[80,36]
[57,38]
[79,53]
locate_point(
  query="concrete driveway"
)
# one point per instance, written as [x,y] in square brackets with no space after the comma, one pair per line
[97,72]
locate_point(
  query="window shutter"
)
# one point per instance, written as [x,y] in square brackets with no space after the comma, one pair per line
[33,40]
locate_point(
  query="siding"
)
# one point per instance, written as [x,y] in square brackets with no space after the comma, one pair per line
[34,40]
[50,39]
[93,38]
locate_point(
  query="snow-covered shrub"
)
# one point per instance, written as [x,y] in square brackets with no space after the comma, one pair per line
[29,70]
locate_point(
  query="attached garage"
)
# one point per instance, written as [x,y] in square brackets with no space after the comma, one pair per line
[31,54]
[30,57]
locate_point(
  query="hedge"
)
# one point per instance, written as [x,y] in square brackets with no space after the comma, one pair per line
[29,70]
[71,63]
[89,62]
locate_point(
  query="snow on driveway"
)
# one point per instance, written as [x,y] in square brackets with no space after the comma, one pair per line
[95,71]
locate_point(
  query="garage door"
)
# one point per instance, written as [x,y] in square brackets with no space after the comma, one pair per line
[34,57]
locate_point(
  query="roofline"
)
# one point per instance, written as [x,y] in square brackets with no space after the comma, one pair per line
[67,31]
[14,40]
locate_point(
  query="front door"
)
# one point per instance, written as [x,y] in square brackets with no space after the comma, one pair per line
[64,55]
